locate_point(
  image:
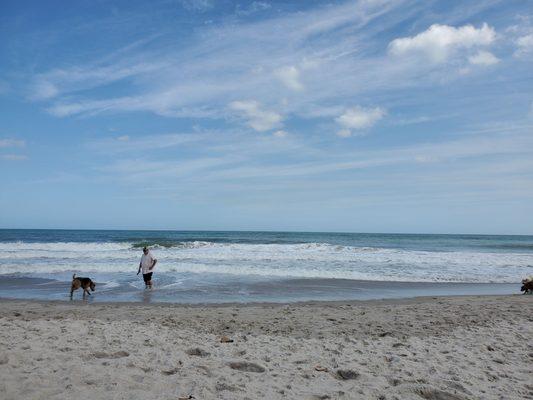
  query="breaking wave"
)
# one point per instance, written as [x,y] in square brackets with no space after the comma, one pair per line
[302,260]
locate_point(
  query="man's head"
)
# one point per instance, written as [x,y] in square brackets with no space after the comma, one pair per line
[145,250]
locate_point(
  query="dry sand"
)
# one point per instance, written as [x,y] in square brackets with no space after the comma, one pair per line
[444,348]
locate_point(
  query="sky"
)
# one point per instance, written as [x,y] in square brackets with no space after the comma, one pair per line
[349,116]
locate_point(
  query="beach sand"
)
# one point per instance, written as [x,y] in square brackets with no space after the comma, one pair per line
[441,348]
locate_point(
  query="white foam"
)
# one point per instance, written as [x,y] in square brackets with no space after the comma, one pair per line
[309,260]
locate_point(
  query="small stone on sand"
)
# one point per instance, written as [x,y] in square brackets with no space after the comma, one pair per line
[197,352]
[346,374]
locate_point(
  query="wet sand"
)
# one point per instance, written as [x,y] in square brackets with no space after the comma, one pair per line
[442,348]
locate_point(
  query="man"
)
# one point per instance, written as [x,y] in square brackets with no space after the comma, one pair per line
[147,265]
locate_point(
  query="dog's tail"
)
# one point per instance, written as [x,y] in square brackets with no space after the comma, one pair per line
[73,276]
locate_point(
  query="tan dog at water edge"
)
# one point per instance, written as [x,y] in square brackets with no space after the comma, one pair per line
[84,283]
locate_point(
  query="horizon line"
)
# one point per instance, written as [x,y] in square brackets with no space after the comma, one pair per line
[266,231]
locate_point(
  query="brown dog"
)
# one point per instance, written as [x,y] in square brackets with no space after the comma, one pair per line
[527,285]
[84,283]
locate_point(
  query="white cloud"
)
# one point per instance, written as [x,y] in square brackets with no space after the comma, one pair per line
[524,44]
[358,118]
[439,42]
[259,119]
[290,76]
[483,58]
[12,143]
[13,157]
[123,138]
[280,133]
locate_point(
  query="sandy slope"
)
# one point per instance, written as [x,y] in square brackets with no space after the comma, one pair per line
[426,348]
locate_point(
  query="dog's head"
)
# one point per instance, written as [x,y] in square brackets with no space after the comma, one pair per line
[93,286]
[523,288]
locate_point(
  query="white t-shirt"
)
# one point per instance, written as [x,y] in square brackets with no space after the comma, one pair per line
[146,262]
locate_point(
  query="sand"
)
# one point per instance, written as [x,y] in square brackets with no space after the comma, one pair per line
[442,348]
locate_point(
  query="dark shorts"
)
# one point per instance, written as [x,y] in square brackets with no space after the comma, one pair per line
[147,277]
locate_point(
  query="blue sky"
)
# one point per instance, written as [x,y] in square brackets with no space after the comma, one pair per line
[365,116]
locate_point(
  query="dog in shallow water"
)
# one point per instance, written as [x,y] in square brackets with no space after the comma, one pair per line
[527,285]
[84,283]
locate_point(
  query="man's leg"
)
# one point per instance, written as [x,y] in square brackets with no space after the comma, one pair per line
[146,280]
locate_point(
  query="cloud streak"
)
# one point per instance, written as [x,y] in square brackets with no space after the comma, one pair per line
[13,157]
[4,143]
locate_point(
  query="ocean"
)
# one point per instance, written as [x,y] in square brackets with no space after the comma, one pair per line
[197,267]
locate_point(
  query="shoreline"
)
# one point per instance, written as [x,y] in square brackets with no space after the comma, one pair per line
[235,290]
[439,347]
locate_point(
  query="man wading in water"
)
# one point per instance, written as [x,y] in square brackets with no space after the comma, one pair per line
[147,265]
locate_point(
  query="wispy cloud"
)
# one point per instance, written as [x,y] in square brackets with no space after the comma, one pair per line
[146,142]
[257,117]
[290,76]
[74,79]
[256,6]
[483,58]
[524,44]
[13,157]
[280,134]
[197,5]
[358,118]
[12,143]
[247,160]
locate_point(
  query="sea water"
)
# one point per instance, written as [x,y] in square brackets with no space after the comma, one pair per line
[261,266]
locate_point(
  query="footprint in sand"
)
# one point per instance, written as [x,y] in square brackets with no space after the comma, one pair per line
[246,366]
[118,354]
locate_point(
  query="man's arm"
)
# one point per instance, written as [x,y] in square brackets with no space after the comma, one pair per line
[154,262]
[139,270]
